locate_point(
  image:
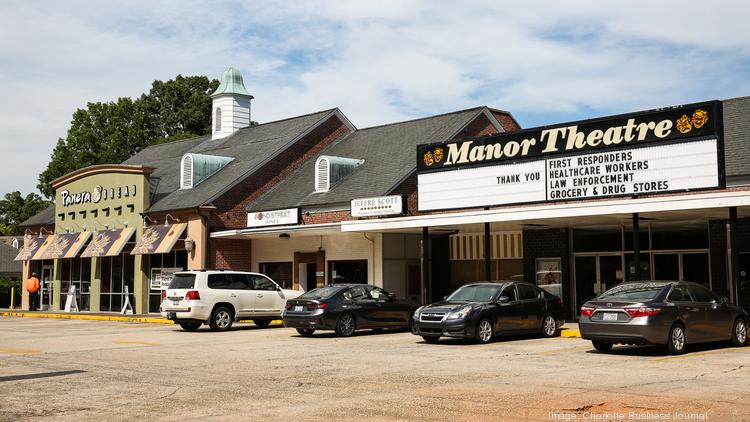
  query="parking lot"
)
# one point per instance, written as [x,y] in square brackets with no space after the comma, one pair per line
[99,370]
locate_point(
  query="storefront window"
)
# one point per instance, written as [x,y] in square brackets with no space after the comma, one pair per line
[280,272]
[643,238]
[597,240]
[76,272]
[160,268]
[674,237]
[348,271]
[630,268]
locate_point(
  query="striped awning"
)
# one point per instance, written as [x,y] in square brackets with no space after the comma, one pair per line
[66,245]
[31,245]
[108,243]
[159,239]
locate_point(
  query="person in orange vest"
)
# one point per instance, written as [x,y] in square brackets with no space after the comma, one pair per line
[32,286]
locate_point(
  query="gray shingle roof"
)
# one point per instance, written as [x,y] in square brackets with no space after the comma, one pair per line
[250,147]
[737,136]
[8,267]
[389,154]
[43,218]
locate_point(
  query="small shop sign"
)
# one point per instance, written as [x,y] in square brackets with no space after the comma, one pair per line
[273,218]
[377,206]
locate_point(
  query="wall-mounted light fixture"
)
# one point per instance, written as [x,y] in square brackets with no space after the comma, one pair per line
[189,244]
[145,224]
[166,220]
[40,232]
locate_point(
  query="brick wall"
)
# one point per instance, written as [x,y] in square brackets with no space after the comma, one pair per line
[506,121]
[231,207]
[229,254]
[549,243]
[481,126]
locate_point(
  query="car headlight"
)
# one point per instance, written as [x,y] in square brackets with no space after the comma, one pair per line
[418,312]
[460,313]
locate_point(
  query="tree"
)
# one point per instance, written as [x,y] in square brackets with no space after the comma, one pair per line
[112,132]
[15,209]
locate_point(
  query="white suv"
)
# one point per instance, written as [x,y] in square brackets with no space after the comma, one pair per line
[218,298]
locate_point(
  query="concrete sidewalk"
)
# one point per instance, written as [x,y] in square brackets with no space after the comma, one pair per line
[92,316]
[570,329]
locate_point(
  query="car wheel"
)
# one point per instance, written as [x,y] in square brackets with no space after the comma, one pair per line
[430,339]
[346,325]
[601,346]
[221,319]
[739,333]
[190,326]
[677,340]
[549,326]
[306,332]
[262,323]
[484,332]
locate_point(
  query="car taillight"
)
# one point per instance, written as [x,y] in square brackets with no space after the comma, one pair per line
[193,295]
[641,312]
[587,311]
[163,294]
[317,306]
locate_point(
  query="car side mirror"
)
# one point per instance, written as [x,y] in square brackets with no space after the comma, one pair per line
[391,296]
[445,297]
[723,300]
[503,299]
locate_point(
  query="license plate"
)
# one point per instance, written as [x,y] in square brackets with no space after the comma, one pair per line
[298,309]
[175,302]
[609,317]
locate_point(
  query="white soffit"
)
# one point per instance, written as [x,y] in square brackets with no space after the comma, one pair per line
[568,210]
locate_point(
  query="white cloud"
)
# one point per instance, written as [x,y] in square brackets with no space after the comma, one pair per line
[379,61]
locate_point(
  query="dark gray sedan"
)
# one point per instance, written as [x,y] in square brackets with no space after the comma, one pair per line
[668,313]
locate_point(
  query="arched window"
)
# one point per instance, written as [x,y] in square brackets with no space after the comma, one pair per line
[186,172]
[217,121]
[322,173]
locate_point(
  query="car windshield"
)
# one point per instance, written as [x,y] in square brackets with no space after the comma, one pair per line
[182,281]
[474,293]
[320,293]
[633,291]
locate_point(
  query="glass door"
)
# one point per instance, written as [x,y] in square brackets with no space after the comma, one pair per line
[45,302]
[595,274]
[667,266]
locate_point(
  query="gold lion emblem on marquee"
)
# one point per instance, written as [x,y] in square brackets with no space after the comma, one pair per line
[683,124]
[700,117]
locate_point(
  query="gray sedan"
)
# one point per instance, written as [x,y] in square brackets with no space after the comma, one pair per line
[668,313]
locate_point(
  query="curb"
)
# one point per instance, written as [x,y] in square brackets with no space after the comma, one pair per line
[148,320]
[570,333]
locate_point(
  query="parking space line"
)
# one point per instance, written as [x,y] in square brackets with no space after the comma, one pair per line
[564,350]
[690,355]
[137,343]
[13,351]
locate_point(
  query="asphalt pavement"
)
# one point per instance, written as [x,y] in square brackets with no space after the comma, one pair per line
[60,370]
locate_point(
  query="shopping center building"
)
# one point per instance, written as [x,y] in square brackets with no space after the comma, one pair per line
[575,207]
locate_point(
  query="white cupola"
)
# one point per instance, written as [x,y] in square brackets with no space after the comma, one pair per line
[231,105]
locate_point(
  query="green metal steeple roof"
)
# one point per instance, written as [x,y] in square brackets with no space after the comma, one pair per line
[231,83]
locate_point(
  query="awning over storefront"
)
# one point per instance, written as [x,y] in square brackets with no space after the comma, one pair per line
[270,232]
[108,243]
[31,245]
[159,239]
[66,245]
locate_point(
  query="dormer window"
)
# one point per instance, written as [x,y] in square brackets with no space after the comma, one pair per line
[330,170]
[186,171]
[217,120]
[196,168]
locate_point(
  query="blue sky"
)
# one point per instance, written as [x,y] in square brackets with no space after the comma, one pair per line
[546,62]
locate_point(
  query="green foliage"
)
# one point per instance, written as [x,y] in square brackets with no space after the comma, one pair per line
[5,288]
[105,133]
[15,209]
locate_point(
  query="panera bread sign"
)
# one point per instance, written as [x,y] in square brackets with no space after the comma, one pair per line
[659,151]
